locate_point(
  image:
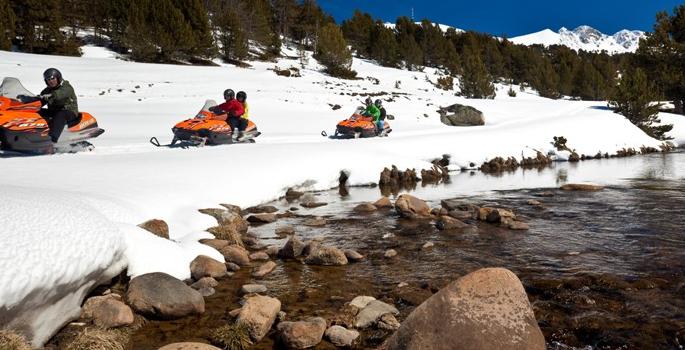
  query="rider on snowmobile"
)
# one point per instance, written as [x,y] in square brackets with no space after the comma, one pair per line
[235,111]
[381,118]
[62,105]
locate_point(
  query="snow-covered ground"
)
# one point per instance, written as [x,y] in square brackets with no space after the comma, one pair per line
[91,202]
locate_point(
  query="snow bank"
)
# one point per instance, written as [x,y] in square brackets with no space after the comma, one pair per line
[55,249]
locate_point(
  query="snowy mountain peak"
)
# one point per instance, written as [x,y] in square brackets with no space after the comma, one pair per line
[585,38]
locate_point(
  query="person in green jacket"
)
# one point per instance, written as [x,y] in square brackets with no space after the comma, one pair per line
[62,105]
[371,110]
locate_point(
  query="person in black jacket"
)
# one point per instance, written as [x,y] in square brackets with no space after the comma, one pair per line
[62,105]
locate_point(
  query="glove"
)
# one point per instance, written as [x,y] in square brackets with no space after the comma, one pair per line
[45,97]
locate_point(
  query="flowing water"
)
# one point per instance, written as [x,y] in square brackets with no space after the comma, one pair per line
[602,269]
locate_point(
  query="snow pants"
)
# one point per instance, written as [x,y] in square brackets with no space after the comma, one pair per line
[57,120]
[237,123]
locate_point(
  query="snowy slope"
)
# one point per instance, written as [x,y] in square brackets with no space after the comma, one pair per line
[585,38]
[126,181]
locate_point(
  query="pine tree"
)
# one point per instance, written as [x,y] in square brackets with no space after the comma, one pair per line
[38,24]
[308,22]
[357,31]
[195,14]
[7,19]
[332,52]
[285,12]
[634,98]
[662,55]
[546,80]
[257,23]
[475,81]
[233,39]
[385,48]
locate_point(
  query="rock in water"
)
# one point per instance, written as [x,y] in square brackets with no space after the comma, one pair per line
[258,315]
[302,334]
[160,296]
[486,309]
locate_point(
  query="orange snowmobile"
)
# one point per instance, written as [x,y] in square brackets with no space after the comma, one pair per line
[23,130]
[359,125]
[207,128]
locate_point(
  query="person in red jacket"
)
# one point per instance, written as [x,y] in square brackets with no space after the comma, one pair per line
[234,109]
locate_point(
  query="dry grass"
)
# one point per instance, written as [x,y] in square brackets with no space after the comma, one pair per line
[227,233]
[231,337]
[10,340]
[97,339]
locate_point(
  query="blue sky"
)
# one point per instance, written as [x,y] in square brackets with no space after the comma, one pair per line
[513,18]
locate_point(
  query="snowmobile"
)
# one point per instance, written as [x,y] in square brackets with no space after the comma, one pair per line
[24,131]
[359,125]
[208,128]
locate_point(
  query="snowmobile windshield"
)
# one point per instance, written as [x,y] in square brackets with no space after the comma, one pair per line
[208,104]
[12,88]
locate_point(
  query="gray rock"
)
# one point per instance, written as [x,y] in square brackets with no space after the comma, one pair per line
[390,253]
[204,266]
[361,301]
[262,218]
[341,336]
[232,266]
[326,256]
[292,249]
[259,256]
[107,311]
[450,223]
[461,115]
[252,288]
[486,309]
[264,269]
[315,222]
[261,209]
[461,214]
[302,334]
[353,255]
[581,187]
[285,230]
[518,225]
[258,315]
[215,243]
[372,312]
[207,291]
[188,346]
[292,195]
[205,282]
[160,296]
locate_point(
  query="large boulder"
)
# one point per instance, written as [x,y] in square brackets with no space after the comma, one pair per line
[161,296]
[107,311]
[460,115]
[228,218]
[157,227]
[302,334]
[204,266]
[372,312]
[411,207]
[258,315]
[486,309]
[326,256]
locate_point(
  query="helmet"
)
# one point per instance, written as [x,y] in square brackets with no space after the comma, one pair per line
[229,94]
[368,101]
[378,102]
[52,73]
[241,96]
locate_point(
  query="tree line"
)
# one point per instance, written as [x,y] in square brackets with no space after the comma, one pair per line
[196,31]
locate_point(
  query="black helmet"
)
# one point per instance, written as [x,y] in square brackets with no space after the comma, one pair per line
[368,101]
[229,94]
[378,102]
[52,73]
[241,96]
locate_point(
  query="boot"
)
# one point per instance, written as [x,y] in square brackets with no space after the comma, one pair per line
[241,136]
